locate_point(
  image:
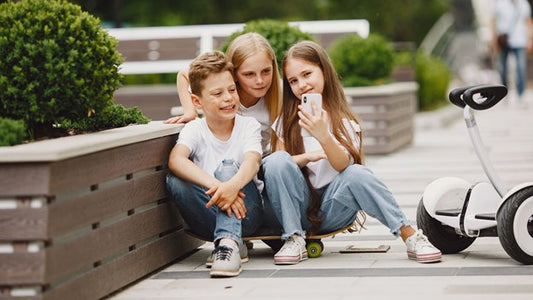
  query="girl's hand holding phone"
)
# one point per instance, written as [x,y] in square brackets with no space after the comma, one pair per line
[313,124]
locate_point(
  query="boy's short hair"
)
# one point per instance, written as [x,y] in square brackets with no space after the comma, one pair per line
[213,62]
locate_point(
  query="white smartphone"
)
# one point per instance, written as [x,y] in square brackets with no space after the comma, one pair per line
[306,101]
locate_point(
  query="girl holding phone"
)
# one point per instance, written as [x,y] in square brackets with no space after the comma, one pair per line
[329,188]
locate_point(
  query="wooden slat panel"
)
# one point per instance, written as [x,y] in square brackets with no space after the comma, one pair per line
[101,204]
[116,274]
[21,298]
[155,106]
[24,179]
[104,242]
[23,224]
[22,268]
[391,129]
[170,49]
[105,165]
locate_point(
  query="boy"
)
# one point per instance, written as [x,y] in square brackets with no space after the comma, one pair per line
[214,163]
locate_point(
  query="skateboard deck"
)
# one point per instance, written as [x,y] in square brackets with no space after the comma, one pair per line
[314,244]
[309,237]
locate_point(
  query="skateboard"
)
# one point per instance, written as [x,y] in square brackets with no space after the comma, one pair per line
[314,245]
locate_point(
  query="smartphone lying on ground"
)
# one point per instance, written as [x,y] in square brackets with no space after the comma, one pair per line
[306,101]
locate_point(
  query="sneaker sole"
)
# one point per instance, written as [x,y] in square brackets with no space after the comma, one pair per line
[427,258]
[290,260]
[224,273]
[208,264]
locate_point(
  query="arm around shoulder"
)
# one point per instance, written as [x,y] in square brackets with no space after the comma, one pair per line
[189,111]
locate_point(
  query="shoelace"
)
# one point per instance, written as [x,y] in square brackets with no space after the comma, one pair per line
[291,243]
[422,241]
[224,253]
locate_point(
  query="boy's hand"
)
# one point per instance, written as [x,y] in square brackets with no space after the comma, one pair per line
[228,197]
[238,208]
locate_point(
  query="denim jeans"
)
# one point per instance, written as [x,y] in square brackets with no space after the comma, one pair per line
[521,67]
[354,189]
[213,223]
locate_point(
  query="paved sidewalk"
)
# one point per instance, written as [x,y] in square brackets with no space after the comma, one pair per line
[441,148]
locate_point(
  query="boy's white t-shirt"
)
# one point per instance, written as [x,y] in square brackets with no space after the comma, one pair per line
[321,172]
[259,111]
[208,152]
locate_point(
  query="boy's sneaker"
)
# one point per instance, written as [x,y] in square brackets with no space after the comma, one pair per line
[226,262]
[292,252]
[420,249]
[243,252]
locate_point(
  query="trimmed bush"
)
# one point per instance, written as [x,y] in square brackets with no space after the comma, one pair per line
[57,64]
[433,77]
[112,117]
[362,61]
[279,34]
[12,132]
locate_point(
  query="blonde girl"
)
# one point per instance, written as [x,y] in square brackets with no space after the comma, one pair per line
[258,84]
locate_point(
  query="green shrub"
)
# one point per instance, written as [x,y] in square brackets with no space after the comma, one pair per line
[111,117]
[432,76]
[12,132]
[279,34]
[56,64]
[140,79]
[362,61]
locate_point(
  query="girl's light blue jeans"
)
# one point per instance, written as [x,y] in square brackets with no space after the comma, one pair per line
[354,189]
[213,223]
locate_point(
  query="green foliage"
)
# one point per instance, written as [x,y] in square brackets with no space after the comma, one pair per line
[111,117]
[56,63]
[58,67]
[12,132]
[433,76]
[402,20]
[362,61]
[279,34]
[139,79]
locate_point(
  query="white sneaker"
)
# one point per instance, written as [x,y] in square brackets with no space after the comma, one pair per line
[243,253]
[292,252]
[226,262]
[420,249]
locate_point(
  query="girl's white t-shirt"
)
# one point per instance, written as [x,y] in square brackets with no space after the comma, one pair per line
[259,111]
[321,172]
[207,151]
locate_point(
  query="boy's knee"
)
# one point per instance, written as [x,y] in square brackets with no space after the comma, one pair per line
[278,161]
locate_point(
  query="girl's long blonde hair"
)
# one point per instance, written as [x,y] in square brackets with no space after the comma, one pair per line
[334,102]
[246,45]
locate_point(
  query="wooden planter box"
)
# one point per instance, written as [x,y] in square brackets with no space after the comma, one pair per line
[386,113]
[83,216]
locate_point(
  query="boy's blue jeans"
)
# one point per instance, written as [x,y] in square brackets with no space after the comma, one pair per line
[354,189]
[213,223]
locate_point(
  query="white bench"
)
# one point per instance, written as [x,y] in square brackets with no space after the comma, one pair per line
[151,50]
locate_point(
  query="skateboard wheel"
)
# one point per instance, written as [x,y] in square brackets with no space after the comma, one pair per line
[314,248]
[249,245]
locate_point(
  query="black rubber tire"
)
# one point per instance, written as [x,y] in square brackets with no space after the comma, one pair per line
[441,236]
[505,220]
